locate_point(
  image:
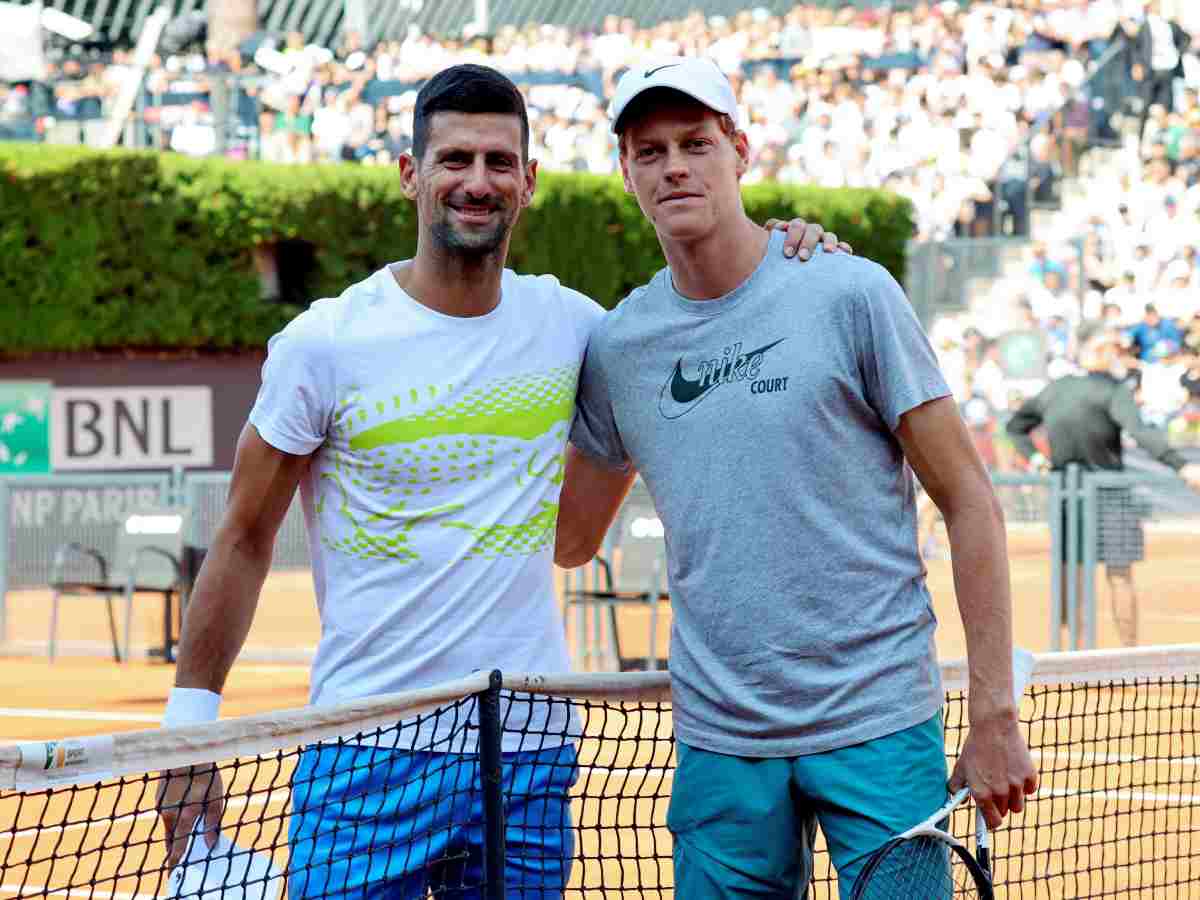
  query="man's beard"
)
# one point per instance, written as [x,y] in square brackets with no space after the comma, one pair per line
[473,243]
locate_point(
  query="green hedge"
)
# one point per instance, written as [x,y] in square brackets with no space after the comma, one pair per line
[120,249]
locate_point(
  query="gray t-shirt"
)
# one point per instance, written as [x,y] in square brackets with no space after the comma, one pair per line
[762,423]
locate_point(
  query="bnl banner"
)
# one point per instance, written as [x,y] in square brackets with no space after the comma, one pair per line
[47,429]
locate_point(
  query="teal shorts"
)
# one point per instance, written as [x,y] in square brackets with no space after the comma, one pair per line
[745,827]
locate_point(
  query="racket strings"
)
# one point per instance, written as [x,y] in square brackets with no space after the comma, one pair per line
[921,868]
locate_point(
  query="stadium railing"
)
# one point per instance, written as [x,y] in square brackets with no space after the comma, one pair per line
[40,513]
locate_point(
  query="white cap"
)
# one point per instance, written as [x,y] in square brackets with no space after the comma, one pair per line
[696,76]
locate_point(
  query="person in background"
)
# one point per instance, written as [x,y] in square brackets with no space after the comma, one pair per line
[1154,338]
[1085,418]
[1157,58]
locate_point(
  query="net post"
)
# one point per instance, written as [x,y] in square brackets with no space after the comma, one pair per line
[1091,539]
[491,777]
[1057,568]
[1074,563]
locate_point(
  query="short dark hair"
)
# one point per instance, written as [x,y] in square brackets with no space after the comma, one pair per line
[467,88]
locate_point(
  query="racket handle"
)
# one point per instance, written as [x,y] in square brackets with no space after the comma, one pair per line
[982,842]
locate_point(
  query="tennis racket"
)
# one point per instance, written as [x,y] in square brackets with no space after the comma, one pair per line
[928,863]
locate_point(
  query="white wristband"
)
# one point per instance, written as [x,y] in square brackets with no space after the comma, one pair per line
[188,706]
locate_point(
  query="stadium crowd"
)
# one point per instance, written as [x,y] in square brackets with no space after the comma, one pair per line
[931,101]
[1122,255]
[971,112]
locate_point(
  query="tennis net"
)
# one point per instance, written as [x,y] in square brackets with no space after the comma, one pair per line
[1113,733]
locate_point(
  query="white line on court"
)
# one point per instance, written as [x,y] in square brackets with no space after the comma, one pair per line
[1121,796]
[264,799]
[1110,758]
[1167,617]
[81,714]
[41,890]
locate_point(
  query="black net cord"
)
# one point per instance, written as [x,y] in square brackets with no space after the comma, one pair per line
[492,781]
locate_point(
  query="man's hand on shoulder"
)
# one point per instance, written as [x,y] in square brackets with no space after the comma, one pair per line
[803,237]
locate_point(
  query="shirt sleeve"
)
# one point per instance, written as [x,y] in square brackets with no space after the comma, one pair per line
[296,399]
[594,430]
[1027,418]
[899,367]
[1124,411]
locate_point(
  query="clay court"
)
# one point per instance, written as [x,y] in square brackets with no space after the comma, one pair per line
[83,694]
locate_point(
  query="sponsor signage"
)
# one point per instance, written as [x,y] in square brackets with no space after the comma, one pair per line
[25,427]
[131,428]
[38,508]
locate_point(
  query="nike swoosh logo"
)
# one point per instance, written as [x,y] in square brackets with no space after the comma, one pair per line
[650,72]
[687,392]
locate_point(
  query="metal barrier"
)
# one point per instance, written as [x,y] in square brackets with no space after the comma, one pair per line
[1093,518]
[945,277]
[206,494]
[1024,497]
[39,513]
[1111,508]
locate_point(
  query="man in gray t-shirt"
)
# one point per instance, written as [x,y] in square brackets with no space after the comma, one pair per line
[773,413]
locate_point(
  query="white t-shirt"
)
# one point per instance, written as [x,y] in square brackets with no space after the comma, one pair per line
[437,449]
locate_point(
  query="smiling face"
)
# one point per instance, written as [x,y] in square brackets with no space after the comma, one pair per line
[470,183]
[683,162]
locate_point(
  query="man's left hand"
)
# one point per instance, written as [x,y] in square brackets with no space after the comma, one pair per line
[995,764]
[803,237]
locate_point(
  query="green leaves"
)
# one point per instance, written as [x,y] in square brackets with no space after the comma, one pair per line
[118,249]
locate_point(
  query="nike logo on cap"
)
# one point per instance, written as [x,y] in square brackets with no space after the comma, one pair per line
[649,72]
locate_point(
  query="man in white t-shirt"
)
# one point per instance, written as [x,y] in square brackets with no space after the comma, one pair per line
[424,416]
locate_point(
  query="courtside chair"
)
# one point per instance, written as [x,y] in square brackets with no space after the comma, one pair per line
[632,568]
[148,559]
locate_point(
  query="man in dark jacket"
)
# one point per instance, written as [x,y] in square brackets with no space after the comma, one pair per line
[1084,417]
[1157,58]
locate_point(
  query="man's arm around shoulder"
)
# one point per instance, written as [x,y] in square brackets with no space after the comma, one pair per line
[995,761]
[592,494]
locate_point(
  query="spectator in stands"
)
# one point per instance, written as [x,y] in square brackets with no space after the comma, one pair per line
[292,132]
[1126,297]
[1098,267]
[1177,298]
[1053,298]
[1154,338]
[1041,263]
[1191,337]
[396,139]
[331,124]
[1145,267]
[1110,316]
[1157,57]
